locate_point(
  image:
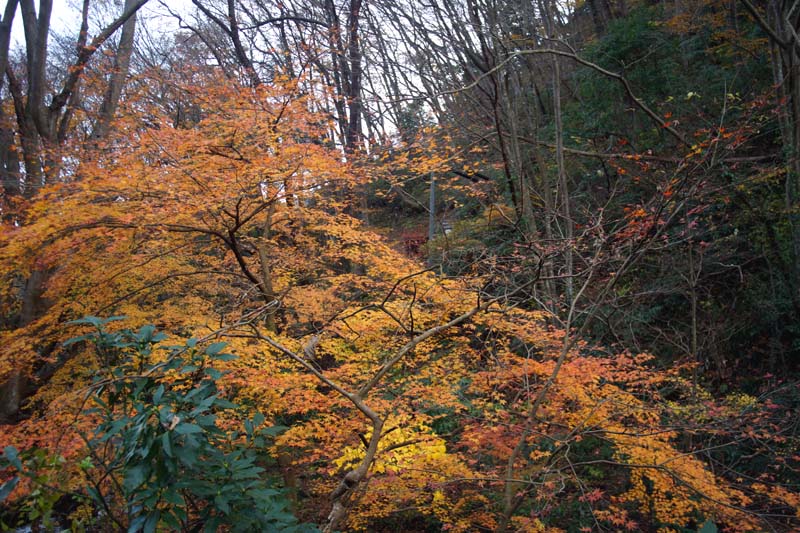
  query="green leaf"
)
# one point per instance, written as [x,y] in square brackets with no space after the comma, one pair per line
[87,320]
[186,456]
[206,420]
[222,504]
[186,429]
[137,524]
[158,394]
[136,476]
[171,521]
[264,494]
[213,373]
[12,456]
[166,445]
[274,431]
[215,348]
[212,525]
[95,494]
[180,512]
[152,522]
[224,404]
[708,527]
[95,321]
[247,473]
[114,428]
[145,333]
[207,402]
[7,487]
[79,338]
[170,496]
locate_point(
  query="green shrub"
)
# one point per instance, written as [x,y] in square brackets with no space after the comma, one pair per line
[158,458]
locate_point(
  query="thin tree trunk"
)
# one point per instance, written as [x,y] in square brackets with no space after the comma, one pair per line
[9,160]
[786,74]
[511,112]
[122,62]
[569,224]
[14,389]
[267,289]
[353,137]
[341,72]
[563,186]
[431,218]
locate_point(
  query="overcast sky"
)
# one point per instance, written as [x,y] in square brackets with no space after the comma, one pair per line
[66,18]
[63,18]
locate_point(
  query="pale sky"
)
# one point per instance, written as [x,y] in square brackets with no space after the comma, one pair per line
[66,18]
[63,17]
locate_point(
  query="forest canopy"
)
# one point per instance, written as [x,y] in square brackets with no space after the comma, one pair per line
[362,265]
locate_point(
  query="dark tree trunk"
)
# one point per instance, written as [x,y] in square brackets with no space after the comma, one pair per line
[353,138]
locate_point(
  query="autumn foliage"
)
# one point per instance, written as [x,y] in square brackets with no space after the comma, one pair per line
[238,225]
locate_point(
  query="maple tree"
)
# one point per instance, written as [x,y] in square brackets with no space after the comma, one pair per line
[191,227]
[492,391]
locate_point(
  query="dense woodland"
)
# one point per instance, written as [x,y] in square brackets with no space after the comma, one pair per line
[365,265]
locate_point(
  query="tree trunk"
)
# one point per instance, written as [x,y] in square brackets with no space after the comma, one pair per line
[267,289]
[341,74]
[567,233]
[353,138]
[9,160]
[780,24]
[122,62]
[11,393]
[14,389]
